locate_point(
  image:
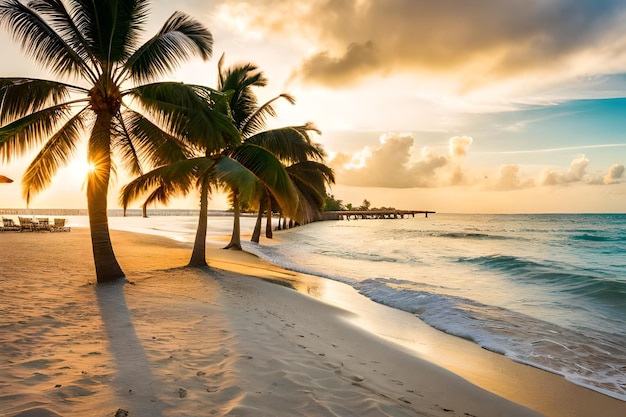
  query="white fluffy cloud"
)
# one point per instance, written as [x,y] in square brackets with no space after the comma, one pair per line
[396,163]
[575,173]
[614,174]
[386,166]
[509,178]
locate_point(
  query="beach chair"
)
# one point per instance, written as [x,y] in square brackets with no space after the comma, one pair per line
[26,223]
[42,223]
[59,226]
[9,225]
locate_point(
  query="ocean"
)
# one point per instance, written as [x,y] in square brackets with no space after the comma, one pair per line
[546,290]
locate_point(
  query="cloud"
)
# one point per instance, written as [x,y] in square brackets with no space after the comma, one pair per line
[509,179]
[389,165]
[396,163]
[459,145]
[615,173]
[479,41]
[340,70]
[577,172]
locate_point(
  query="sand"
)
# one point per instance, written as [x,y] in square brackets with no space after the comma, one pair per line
[175,341]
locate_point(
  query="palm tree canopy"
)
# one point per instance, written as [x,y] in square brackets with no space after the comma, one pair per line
[243,170]
[248,115]
[97,43]
[291,144]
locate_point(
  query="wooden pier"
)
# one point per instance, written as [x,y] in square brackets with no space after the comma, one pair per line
[373,214]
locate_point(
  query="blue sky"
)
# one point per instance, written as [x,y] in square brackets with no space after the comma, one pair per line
[453,106]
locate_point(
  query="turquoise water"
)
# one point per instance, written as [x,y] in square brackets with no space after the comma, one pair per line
[545,290]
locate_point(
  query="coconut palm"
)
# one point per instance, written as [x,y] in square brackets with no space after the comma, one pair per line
[96,44]
[230,164]
[242,169]
[310,178]
[289,144]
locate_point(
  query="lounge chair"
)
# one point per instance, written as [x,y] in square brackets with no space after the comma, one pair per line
[26,223]
[9,225]
[42,223]
[59,226]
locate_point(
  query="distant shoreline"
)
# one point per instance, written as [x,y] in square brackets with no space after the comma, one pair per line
[112,212]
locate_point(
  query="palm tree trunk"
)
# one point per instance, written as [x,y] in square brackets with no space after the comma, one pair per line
[235,238]
[268,225]
[198,254]
[256,235]
[99,154]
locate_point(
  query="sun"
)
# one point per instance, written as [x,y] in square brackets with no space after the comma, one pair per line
[80,169]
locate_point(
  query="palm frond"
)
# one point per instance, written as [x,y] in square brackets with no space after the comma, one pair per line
[311,179]
[111,28]
[121,140]
[180,38]
[290,144]
[24,134]
[161,195]
[239,76]
[238,80]
[57,151]
[178,178]
[270,172]
[232,174]
[40,41]
[255,121]
[61,21]
[315,173]
[185,111]
[23,96]
[139,139]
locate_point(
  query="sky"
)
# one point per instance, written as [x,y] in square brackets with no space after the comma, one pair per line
[454,106]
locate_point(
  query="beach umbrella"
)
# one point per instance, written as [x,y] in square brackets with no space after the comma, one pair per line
[4,179]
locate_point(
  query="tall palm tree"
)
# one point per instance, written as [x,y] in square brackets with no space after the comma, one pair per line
[243,169]
[96,43]
[227,164]
[288,144]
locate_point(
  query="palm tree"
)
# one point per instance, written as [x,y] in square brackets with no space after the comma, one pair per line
[289,144]
[242,169]
[310,178]
[97,44]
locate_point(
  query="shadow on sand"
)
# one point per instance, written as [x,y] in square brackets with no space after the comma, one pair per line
[134,381]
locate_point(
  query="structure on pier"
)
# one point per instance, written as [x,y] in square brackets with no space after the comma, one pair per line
[372,214]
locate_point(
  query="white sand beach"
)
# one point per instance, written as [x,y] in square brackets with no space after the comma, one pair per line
[177,341]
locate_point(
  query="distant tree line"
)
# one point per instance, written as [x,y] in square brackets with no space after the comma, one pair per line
[333,204]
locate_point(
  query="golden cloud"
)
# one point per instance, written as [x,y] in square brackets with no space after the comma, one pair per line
[477,41]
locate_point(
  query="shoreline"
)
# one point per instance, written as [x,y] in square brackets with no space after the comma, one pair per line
[266,348]
[541,390]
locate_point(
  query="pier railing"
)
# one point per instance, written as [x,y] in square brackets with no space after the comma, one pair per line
[373,214]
